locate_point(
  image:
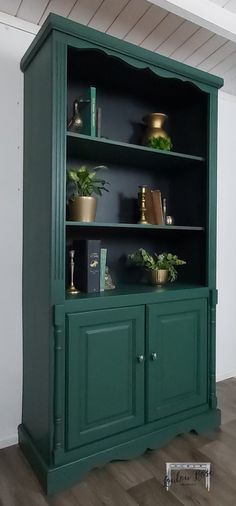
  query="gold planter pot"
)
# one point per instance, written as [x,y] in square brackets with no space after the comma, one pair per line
[83,209]
[159,277]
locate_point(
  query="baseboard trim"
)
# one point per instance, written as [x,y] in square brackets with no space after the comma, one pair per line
[9,441]
[226,375]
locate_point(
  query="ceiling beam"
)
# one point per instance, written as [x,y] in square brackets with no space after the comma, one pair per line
[20,24]
[204,13]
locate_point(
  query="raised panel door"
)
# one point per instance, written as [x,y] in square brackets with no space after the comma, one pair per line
[176,357]
[105,377]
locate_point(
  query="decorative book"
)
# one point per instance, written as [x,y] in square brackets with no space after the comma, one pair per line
[157,207]
[149,213]
[87,265]
[89,113]
[153,204]
[103,258]
[99,122]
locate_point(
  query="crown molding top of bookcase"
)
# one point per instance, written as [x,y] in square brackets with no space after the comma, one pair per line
[107,150]
[71,28]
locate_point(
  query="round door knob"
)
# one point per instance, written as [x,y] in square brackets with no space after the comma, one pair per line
[140,358]
[154,356]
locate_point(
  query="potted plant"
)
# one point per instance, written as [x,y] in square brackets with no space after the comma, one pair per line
[162,267]
[82,183]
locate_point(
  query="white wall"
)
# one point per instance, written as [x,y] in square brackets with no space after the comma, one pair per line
[13,44]
[226,265]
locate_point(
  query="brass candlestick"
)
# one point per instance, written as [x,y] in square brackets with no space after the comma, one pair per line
[142,200]
[72,289]
[164,211]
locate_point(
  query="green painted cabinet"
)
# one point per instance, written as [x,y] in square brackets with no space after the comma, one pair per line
[177,353]
[105,373]
[108,375]
[111,358]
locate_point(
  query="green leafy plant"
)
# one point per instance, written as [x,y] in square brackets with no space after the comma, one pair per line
[83,182]
[163,143]
[168,261]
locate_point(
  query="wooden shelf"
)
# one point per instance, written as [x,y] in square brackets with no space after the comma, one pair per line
[133,294]
[135,289]
[109,151]
[130,226]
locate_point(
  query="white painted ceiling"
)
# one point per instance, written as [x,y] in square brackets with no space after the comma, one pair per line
[144,24]
[230,5]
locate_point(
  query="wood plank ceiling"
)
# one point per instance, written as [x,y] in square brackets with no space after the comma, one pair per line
[144,24]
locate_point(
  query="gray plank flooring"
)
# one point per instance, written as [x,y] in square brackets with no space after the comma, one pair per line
[139,482]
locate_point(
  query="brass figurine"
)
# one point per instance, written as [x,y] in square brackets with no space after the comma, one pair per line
[76,123]
[109,285]
[72,290]
[142,204]
[169,220]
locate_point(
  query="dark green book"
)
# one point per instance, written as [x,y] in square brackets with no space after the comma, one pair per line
[89,112]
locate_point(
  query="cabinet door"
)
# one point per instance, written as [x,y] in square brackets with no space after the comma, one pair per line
[105,374]
[176,357]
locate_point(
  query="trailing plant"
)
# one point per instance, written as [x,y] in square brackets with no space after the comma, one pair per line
[168,261]
[163,143]
[83,182]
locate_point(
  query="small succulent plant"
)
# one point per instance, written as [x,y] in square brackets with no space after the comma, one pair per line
[163,143]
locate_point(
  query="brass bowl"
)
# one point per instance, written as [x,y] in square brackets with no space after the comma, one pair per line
[159,277]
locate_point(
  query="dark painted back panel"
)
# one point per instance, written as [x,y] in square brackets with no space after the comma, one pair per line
[126,95]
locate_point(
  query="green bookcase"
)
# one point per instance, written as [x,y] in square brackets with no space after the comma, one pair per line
[110,374]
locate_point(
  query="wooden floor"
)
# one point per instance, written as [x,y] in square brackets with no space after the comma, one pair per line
[140,481]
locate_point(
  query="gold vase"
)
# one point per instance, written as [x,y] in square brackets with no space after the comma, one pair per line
[159,277]
[154,122]
[83,209]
